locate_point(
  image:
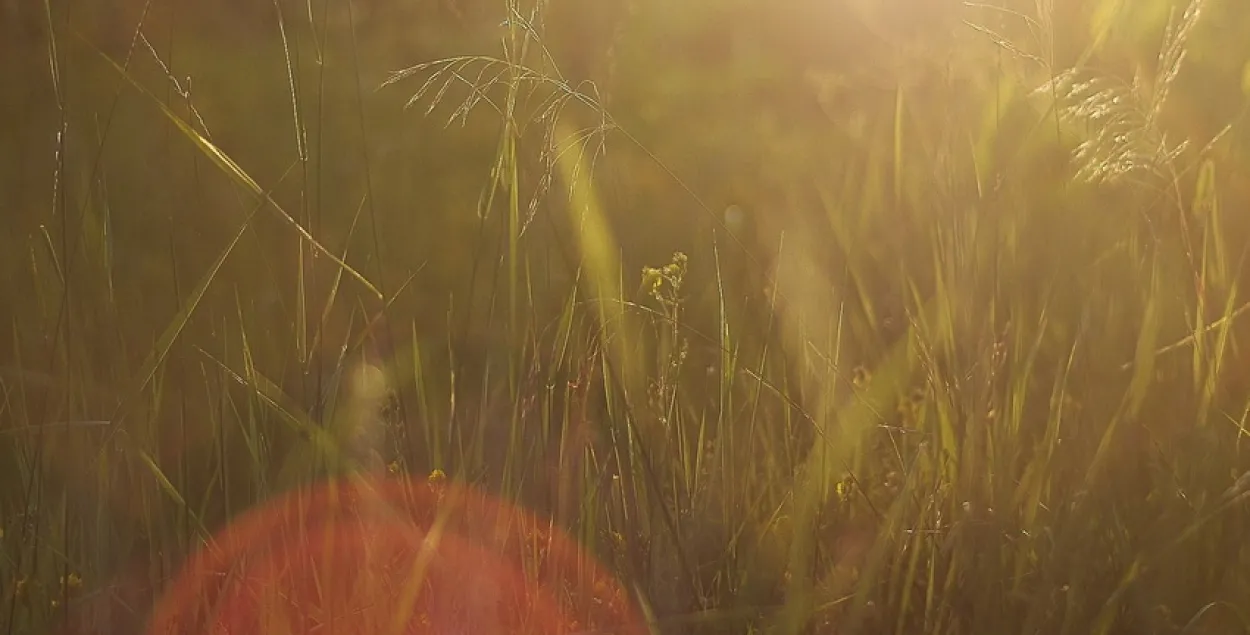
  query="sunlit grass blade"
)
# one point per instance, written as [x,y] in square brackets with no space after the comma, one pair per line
[236,173]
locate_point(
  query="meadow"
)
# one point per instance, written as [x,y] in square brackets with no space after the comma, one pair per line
[805,316]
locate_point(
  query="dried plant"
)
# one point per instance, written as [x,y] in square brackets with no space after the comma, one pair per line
[1121,120]
[531,94]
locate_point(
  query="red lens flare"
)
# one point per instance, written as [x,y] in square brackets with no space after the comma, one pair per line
[393,556]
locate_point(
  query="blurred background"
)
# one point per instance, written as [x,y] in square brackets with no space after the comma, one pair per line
[803,315]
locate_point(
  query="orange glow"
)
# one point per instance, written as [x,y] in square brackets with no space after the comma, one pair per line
[392,555]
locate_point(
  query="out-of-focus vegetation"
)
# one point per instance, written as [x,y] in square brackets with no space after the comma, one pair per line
[819,316]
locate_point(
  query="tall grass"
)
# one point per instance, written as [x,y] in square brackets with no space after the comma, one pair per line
[963,387]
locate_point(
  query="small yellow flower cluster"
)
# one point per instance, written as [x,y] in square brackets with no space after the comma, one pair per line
[436,481]
[27,590]
[843,490]
[670,276]
[72,581]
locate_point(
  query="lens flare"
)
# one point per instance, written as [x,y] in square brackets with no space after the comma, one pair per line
[394,556]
